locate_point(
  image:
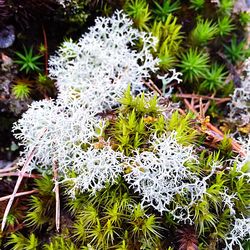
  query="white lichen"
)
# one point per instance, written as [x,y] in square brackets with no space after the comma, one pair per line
[95,168]
[67,127]
[161,175]
[240,104]
[91,75]
[64,3]
[98,68]
[240,227]
[240,231]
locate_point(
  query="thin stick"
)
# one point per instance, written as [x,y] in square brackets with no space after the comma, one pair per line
[207,105]
[181,111]
[55,166]
[203,97]
[46,57]
[18,183]
[155,87]
[8,169]
[17,174]
[150,87]
[235,146]
[18,194]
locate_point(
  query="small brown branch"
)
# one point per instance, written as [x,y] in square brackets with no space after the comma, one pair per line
[220,100]
[18,195]
[46,57]
[208,104]
[17,174]
[18,183]
[155,87]
[181,111]
[150,87]
[56,188]
[190,107]
[9,168]
[215,132]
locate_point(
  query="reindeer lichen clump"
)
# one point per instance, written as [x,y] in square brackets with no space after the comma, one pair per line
[105,130]
[91,75]
[240,105]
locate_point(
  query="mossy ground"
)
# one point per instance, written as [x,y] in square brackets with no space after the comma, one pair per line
[208,44]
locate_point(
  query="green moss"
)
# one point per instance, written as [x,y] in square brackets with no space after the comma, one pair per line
[18,241]
[204,31]
[138,118]
[169,37]
[42,208]
[236,50]
[162,11]
[215,78]
[139,11]
[194,65]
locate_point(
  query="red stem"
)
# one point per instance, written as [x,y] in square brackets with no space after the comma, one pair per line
[46,57]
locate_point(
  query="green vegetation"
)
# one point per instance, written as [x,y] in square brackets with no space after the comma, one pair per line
[204,41]
[167,7]
[203,32]
[236,50]
[244,18]
[215,78]
[169,39]
[194,65]
[18,241]
[42,208]
[114,216]
[197,4]
[139,11]
[112,219]
[190,37]
[21,90]
[28,61]
[225,26]
[138,119]
[226,6]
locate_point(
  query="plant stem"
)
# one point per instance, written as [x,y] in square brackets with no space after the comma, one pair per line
[46,57]
[17,174]
[18,194]
[55,166]
[18,183]
[220,100]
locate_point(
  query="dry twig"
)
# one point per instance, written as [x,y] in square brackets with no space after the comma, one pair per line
[17,174]
[18,183]
[217,100]
[9,168]
[46,57]
[18,194]
[210,130]
[56,189]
